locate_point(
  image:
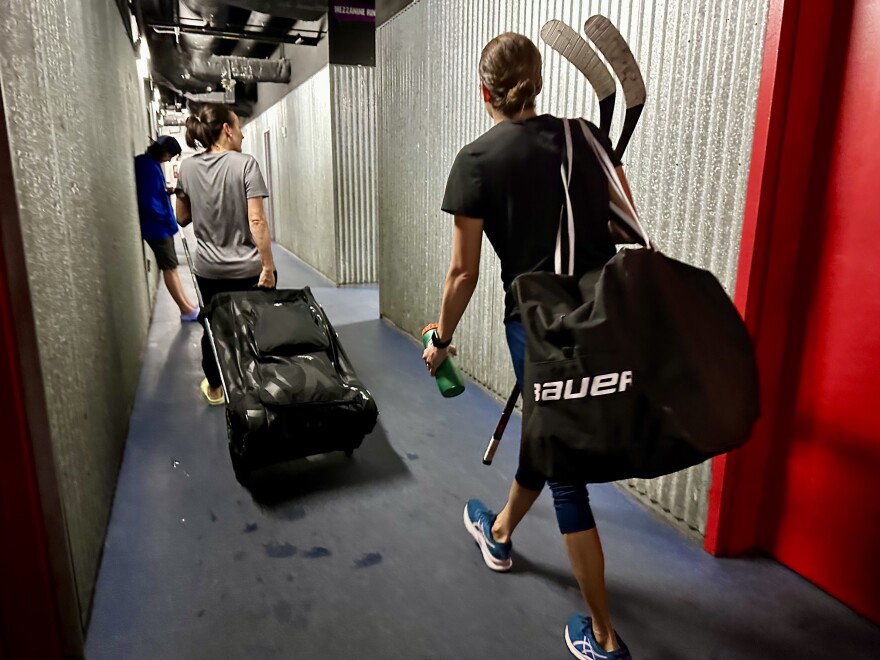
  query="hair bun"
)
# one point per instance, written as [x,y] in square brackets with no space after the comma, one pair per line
[520,94]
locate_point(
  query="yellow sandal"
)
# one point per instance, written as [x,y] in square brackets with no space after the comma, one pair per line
[211,402]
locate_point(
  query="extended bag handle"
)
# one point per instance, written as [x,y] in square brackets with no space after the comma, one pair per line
[623,209]
[203,316]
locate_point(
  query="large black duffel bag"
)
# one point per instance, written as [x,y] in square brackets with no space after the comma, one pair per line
[292,391]
[637,369]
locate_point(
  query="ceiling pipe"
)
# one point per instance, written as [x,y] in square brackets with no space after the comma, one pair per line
[301,10]
[304,37]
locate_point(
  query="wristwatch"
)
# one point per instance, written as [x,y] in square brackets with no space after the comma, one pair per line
[435,340]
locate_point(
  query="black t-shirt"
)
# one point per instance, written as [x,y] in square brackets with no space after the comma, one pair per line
[510,178]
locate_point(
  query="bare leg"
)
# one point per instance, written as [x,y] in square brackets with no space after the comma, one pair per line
[588,563]
[519,501]
[175,288]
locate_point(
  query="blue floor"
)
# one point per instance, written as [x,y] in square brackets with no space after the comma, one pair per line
[368,558]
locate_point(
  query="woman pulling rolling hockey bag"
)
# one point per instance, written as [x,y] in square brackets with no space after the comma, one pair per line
[270,356]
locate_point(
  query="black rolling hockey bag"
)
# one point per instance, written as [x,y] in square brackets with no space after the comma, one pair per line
[291,389]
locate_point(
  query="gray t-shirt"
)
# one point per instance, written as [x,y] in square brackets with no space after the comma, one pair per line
[218,186]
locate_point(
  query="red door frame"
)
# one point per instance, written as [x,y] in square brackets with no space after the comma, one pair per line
[797,46]
[39,612]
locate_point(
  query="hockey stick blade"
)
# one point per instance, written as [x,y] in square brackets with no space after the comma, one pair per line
[568,43]
[613,46]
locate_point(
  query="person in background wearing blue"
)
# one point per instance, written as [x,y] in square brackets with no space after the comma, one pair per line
[158,224]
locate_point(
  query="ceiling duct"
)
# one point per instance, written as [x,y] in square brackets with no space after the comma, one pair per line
[198,72]
[243,69]
[218,46]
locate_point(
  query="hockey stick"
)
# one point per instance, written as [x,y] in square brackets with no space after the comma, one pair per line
[568,43]
[502,424]
[613,46]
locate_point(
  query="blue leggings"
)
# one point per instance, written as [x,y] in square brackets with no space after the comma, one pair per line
[571,501]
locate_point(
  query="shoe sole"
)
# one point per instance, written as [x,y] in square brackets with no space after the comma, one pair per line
[571,647]
[495,564]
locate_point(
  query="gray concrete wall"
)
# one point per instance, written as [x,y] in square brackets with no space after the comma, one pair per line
[77,117]
[688,162]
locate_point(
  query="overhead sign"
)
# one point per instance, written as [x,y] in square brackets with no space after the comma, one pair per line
[352,32]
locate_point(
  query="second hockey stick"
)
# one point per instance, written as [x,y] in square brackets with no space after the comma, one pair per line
[613,46]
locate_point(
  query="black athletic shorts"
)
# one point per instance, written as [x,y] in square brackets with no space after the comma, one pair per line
[166,254]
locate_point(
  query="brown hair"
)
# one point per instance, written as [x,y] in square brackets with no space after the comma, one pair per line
[510,68]
[206,126]
[157,151]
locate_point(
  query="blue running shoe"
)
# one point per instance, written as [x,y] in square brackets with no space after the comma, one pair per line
[583,645]
[478,519]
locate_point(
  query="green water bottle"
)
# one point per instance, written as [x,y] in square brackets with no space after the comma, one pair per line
[448,376]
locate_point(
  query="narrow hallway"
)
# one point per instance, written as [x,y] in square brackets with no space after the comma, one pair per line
[367,557]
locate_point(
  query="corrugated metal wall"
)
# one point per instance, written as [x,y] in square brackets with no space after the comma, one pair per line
[304,203]
[72,91]
[688,162]
[324,171]
[354,150]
